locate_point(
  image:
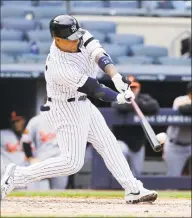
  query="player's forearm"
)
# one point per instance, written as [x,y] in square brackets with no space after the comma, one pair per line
[106,64]
[94,89]
[109,69]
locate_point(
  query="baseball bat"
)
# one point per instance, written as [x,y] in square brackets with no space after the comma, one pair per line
[150,134]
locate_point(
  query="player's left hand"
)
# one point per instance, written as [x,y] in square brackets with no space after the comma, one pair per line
[121,82]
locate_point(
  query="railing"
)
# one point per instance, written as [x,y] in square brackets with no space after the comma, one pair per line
[166,116]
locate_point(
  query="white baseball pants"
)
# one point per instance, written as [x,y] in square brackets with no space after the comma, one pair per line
[76,123]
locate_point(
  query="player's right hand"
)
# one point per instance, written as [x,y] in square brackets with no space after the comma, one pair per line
[125,97]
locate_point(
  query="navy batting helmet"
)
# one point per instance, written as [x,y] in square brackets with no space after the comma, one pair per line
[66,27]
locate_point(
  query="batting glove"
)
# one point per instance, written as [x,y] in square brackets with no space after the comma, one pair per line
[125,97]
[121,83]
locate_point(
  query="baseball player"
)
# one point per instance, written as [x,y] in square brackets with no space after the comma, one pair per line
[178,147]
[39,143]
[70,73]
[11,150]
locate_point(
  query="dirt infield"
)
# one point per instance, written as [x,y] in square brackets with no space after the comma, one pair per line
[92,206]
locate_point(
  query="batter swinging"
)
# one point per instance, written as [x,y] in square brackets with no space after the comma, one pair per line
[71,69]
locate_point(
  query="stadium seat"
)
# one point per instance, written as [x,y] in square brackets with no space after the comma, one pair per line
[148,50]
[87,4]
[188,5]
[125,39]
[123,4]
[44,47]
[15,11]
[16,3]
[181,5]
[11,35]
[39,35]
[165,5]
[100,36]
[15,48]
[51,3]
[115,51]
[175,61]
[48,12]
[149,5]
[135,60]
[32,58]
[6,59]
[44,23]
[100,26]
[18,24]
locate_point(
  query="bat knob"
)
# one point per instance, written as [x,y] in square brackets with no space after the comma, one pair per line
[158,148]
[126,80]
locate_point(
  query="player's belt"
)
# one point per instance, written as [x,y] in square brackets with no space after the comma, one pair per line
[179,143]
[81,98]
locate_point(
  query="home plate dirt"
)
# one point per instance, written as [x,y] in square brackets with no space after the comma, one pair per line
[59,206]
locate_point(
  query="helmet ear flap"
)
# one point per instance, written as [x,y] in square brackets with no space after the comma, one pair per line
[52,34]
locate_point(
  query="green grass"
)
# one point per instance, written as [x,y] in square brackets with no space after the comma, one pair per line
[95,193]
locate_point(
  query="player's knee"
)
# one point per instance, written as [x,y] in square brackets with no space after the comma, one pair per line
[71,164]
[76,165]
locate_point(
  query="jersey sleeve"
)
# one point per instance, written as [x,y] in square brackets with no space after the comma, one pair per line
[70,75]
[92,45]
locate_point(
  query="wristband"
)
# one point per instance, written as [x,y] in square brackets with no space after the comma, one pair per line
[104,61]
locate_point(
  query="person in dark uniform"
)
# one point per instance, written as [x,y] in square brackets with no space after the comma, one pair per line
[133,143]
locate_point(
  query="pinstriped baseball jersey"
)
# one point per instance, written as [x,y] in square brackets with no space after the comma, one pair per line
[66,72]
[76,122]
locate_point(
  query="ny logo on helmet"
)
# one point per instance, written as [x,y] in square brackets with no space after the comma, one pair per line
[73,28]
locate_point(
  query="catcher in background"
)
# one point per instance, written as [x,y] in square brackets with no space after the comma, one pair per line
[39,143]
[133,143]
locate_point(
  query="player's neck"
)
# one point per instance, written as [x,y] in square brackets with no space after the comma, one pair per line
[65,49]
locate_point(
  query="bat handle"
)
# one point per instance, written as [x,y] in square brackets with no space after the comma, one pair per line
[137,109]
[158,148]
